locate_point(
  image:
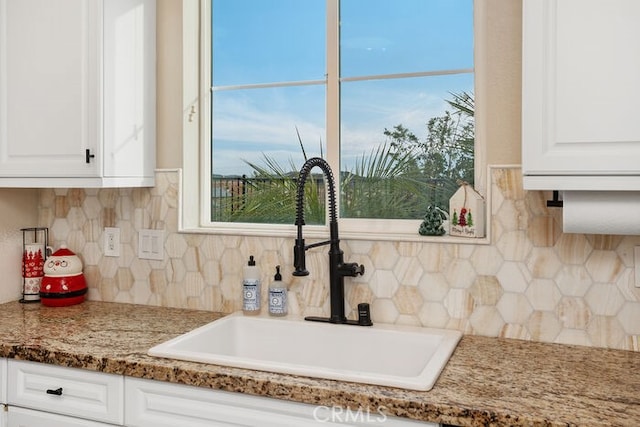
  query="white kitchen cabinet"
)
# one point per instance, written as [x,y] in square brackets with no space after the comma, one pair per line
[77,93]
[160,404]
[580,114]
[42,395]
[20,417]
[3,392]
[65,391]
[3,380]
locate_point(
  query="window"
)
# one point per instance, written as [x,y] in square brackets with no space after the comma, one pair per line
[382,89]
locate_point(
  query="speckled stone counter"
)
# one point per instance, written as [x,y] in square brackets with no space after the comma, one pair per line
[487,382]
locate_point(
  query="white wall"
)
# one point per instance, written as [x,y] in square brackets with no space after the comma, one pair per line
[18,209]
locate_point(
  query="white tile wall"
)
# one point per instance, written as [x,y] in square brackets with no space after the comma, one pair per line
[533,282]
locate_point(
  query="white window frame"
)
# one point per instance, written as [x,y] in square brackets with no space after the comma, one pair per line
[194,209]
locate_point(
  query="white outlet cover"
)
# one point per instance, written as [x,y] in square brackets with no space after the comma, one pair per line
[111,243]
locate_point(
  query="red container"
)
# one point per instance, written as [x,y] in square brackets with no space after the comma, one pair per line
[63,283]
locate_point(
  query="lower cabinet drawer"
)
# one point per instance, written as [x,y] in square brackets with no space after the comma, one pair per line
[160,404]
[67,391]
[20,417]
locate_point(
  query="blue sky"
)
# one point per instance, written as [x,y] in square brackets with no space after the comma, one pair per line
[262,41]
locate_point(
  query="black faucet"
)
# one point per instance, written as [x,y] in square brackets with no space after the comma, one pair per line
[338,269]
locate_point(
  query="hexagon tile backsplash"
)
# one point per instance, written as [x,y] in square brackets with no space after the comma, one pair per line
[532,282]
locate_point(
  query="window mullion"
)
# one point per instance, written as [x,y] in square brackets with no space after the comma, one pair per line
[407,75]
[268,85]
[333,90]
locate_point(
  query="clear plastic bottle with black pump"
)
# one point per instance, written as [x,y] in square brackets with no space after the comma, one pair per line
[277,295]
[251,288]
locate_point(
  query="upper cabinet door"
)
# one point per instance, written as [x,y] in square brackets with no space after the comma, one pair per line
[49,88]
[581,85]
[128,100]
[77,93]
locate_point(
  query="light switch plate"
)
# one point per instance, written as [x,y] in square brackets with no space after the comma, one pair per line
[111,244]
[151,244]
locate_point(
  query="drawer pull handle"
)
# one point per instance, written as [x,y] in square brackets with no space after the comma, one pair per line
[57,392]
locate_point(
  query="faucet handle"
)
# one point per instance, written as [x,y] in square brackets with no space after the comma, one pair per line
[299,262]
[352,269]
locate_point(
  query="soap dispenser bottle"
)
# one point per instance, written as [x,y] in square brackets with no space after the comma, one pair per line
[251,288]
[277,295]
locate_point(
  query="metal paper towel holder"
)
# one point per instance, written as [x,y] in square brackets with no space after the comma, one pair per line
[555,202]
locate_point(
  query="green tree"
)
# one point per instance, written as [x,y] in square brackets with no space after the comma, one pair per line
[446,155]
[453,132]
[398,179]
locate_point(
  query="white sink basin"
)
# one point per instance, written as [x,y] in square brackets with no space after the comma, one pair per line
[390,355]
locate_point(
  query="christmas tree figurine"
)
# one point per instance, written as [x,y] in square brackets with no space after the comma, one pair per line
[432,224]
[462,220]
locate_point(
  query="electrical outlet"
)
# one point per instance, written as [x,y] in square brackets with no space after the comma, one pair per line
[111,241]
[636,264]
[151,244]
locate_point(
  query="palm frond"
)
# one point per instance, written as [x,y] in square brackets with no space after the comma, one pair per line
[463,103]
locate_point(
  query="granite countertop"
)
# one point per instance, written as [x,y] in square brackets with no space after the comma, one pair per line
[488,381]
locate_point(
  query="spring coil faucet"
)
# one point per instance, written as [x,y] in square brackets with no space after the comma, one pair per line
[338,269]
